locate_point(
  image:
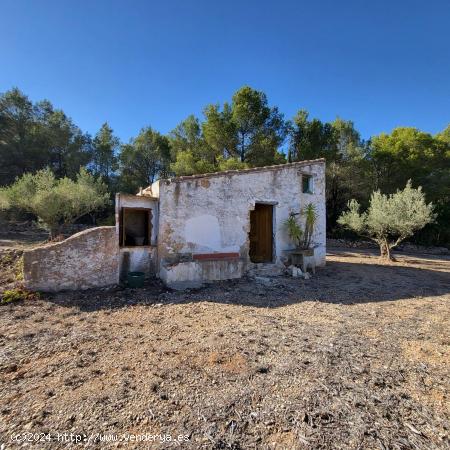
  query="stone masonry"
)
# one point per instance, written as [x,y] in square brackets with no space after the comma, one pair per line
[85,260]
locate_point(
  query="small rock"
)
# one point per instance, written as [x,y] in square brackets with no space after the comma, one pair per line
[264,281]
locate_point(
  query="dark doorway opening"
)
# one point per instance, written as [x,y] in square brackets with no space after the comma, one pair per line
[135,227]
[261,233]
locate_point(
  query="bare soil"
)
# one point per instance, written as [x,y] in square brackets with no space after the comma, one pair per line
[357,357]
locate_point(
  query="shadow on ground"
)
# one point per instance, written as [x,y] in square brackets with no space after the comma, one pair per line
[348,278]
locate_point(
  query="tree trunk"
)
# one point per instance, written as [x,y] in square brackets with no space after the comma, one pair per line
[385,251]
[55,231]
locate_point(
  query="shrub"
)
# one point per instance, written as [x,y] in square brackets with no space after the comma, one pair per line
[390,218]
[293,228]
[302,237]
[310,214]
[17,295]
[55,202]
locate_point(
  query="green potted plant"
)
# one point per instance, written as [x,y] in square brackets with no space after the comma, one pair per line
[302,237]
[293,229]
[310,215]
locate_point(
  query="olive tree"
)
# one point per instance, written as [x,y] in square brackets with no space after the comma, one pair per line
[55,202]
[390,218]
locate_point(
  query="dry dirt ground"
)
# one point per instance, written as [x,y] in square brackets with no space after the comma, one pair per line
[358,357]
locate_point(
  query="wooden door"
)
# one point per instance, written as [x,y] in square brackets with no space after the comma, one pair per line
[261,233]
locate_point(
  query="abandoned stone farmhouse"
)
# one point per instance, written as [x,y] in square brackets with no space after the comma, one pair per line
[190,230]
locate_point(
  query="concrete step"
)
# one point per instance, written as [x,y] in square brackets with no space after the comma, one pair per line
[265,270]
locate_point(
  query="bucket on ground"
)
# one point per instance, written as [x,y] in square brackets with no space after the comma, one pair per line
[135,279]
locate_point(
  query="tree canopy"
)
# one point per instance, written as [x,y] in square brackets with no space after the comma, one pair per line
[245,131]
[390,219]
[144,159]
[34,136]
[55,202]
[104,153]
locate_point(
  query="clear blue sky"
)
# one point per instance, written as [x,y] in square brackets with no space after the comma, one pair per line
[134,63]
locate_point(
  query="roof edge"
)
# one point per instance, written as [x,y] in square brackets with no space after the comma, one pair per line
[242,171]
[138,195]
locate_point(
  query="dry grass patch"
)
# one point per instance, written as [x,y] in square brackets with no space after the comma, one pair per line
[356,357]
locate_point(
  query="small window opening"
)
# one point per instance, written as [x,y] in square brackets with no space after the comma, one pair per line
[307,184]
[135,227]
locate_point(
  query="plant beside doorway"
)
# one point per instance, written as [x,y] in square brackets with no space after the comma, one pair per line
[310,214]
[293,228]
[302,238]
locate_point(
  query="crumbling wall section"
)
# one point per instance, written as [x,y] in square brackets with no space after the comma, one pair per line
[138,258]
[88,259]
[193,273]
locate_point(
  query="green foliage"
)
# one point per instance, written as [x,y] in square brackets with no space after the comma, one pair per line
[406,153]
[4,200]
[248,128]
[444,136]
[219,131]
[310,139]
[143,160]
[310,214]
[294,230]
[230,164]
[187,137]
[190,152]
[57,202]
[356,168]
[18,269]
[186,164]
[390,219]
[259,128]
[244,132]
[347,168]
[302,238]
[104,148]
[17,295]
[352,219]
[107,221]
[34,136]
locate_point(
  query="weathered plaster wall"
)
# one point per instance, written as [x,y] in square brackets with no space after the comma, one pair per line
[212,214]
[137,259]
[143,258]
[135,201]
[193,273]
[85,260]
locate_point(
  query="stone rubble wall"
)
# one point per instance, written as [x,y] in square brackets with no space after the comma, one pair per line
[88,259]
